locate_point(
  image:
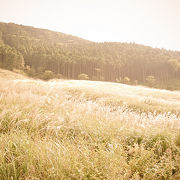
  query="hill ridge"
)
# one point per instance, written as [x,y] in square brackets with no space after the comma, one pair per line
[39,50]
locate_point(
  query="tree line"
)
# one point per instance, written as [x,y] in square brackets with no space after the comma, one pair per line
[44,53]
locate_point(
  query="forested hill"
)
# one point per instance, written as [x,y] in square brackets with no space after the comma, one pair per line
[44,53]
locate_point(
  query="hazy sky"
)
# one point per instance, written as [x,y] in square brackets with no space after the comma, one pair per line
[150,22]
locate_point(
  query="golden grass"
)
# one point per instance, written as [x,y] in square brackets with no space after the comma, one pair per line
[71,129]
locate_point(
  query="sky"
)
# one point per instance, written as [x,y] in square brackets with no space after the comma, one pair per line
[154,23]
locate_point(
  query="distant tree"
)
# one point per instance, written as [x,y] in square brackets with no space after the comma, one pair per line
[59,76]
[175,64]
[98,73]
[136,82]
[30,71]
[47,75]
[126,80]
[83,76]
[95,78]
[151,80]
[10,58]
[119,80]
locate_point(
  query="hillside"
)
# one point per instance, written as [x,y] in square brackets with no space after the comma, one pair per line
[9,75]
[72,129]
[39,50]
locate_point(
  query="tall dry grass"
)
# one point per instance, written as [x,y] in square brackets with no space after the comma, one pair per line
[87,130]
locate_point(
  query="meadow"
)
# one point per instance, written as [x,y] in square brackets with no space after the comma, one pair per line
[77,129]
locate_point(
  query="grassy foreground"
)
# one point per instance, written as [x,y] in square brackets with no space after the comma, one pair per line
[71,129]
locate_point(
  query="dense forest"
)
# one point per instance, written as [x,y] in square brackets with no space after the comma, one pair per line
[44,54]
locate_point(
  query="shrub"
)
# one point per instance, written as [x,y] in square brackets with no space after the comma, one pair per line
[136,82]
[47,75]
[83,76]
[30,71]
[126,80]
[151,80]
[59,76]
[119,80]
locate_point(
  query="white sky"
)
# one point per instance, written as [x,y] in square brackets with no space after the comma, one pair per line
[149,22]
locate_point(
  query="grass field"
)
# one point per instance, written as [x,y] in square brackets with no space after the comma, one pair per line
[70,129]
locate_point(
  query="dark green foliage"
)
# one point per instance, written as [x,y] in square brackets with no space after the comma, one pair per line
[70,56]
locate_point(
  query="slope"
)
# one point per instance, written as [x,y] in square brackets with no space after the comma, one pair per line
[71,129]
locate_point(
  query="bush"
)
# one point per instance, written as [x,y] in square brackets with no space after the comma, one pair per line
[126,80]
[59,76]
[151,80]
[83,76]
[47,75]
[119,80]
[30,71]
[136,82]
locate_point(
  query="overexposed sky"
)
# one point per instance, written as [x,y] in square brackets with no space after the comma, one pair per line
[149,22]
